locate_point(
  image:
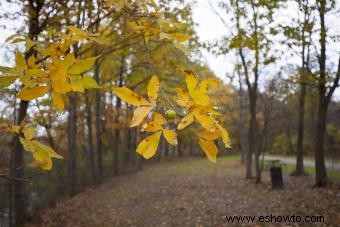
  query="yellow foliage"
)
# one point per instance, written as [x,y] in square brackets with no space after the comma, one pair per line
[28,94]
[170,136]
[144,106]
[147,148]
[209,149]
[152,141]
[59,72]
[58,101]
[41,153]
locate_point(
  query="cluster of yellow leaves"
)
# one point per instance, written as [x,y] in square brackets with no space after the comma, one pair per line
[144,106]
[59,73]
[147,147]
[154,24]
[198,108]
[160,28]
[41,153]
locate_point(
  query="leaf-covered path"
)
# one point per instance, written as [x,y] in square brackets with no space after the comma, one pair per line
[190,192]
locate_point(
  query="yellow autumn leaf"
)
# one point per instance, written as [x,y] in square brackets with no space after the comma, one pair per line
[77,33]
[184,98]
[61,86]
[82,65]
[179,37]
[207,135]
[186,120]
[29,44]
[152,126]
[157,117]
[139,114]
[148,146]
[69,60]
[198,92]
[15,129]
[5,81]
[58,101]
[29,133]
[35,73]
[191,81]
[209,149]
[28,94]
[200,98]
[26,144]
[20,61]
[203,87]
[206,121]
[31,61]
[225,135]
[214,112]
[153,88]
[89,82]
[76,83]
[130,97]
[170,136]
[43,148]
[41,153]
[45,165]
[42,160]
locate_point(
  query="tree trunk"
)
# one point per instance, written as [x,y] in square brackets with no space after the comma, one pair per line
[299,152]
[241,126]
[160,150]
[180,148]
[17,157]
[90,137]
[320,168]
[72,145]
[98,124]
[252,131]
[118,109]
[166,150]
[133,146]
[17,171]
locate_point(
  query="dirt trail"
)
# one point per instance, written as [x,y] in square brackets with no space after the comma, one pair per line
[190,192]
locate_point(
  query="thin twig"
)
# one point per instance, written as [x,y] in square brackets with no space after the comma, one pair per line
[152,71]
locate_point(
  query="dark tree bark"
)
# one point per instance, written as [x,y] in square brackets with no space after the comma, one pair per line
[17,157]
[72,145]
[133,146]
[241,126]
[303,86]
[166,150]
[299,149]
[117,132]
[324,99]
[90,137]
[19,186]
[98,123]
[180,149]
[128,136]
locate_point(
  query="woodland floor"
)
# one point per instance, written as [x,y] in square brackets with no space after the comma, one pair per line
[191,192]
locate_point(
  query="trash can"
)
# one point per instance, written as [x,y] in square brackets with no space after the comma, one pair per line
[276,177]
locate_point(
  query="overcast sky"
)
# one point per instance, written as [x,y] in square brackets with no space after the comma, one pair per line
[210,28]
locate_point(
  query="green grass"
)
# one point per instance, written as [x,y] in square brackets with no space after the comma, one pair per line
[231,157]
[332,174]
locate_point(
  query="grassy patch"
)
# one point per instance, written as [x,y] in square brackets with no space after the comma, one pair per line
[332,174]
[232,157]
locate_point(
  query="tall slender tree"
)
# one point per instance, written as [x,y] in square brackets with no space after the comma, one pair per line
[325,93]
